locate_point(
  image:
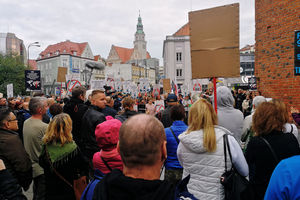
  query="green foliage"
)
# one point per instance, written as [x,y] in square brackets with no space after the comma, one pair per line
[12,70]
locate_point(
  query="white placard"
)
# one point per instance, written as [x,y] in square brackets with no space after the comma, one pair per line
[97,84]
[10,90]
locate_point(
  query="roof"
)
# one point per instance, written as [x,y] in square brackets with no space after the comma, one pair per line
[247,47]
[125,53]
[97,57]
[32,64]
[66,47]
[184,30]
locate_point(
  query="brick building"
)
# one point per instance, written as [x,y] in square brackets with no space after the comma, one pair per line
[276,22]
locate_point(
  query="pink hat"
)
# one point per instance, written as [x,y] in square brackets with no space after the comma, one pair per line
[107,134]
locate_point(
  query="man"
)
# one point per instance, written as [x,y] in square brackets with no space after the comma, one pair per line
[142,146]
[284,182]
[239,99]
[22,115]
[229,117]
[12,151]
[247,132]
[165,116]
[92,117]
[34,130]
[108,110]
[76,109]
[2,102]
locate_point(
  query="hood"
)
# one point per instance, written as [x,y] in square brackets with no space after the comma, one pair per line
[194,140]
[224,97]
[117,186]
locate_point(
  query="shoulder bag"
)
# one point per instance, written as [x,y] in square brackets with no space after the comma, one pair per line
[236,187]
[78,184]
[177,140]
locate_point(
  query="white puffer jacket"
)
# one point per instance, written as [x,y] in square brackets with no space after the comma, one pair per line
[205,167]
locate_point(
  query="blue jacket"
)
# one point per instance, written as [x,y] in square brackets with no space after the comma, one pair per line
[178,127]
[285,180]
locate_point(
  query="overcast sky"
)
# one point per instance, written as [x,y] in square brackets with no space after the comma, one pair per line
[102,23]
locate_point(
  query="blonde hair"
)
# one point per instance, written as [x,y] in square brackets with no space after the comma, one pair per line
[59,130]
[203,116]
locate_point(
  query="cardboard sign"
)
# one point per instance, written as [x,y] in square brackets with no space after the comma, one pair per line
[167,85]
[215,42]
[61,74]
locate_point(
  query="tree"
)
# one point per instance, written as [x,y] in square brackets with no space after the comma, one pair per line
[12,70]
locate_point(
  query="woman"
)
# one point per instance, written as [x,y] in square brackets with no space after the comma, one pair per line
[128,111]
[60,155]
[201,152]
[107,137]
[150,107]
[173,169]
[267,124]
[287,127]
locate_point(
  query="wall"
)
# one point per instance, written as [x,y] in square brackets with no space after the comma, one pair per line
[276,22]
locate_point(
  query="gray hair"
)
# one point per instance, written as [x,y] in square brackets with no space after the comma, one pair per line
[35,103]
[258,100]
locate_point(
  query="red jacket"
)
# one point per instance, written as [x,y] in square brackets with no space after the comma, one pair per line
[112,158]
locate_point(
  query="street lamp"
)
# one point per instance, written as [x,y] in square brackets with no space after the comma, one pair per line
[36,44]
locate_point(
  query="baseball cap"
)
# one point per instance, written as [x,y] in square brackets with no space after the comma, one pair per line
[172,98]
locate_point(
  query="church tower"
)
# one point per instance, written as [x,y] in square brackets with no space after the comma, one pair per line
[140,48]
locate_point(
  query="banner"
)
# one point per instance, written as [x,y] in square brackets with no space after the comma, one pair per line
[61,74]
[97,84]
[10,90]
[32,80]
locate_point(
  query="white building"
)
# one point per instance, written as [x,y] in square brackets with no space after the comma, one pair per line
[177,56]
[67,54]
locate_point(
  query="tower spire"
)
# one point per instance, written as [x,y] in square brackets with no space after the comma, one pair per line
[139,26]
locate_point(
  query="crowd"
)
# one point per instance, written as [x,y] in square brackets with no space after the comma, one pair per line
[163,147]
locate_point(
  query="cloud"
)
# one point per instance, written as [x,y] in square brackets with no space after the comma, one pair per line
[102,23]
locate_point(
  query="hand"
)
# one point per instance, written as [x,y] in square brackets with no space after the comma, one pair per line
[294,110]
[2,166]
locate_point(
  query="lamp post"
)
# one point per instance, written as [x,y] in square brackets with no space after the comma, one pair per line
[36,44]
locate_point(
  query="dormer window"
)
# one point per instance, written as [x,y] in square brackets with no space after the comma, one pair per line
[64,51]
[49,54]
[57,52]
[75,53]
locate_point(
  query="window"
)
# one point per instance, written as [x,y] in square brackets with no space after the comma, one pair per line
[75,53]
[64,62]
[178,56]
[179,72]
[57,52]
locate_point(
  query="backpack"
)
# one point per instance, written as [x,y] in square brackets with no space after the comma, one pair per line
[89,190]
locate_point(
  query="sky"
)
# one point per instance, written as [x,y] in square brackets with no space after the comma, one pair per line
[103,23]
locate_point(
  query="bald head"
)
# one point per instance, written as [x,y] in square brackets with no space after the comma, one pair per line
[140,140]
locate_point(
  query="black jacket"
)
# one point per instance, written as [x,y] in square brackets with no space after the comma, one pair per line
[127,114]
[116,185]
[261,161]
[108,111]
[76,109]
[92,117]
[15,158]
[9,187]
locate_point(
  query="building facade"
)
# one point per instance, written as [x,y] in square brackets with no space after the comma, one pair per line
[11,45]
[67,54]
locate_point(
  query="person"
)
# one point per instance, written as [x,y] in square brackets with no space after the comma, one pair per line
[22,115]
[229,117]
[12,152]
[142,146]
[287,127]
[165,116]
[55,109]
[76,109]
[159,104]
[107,137]
[201,152]
[239,99]
[150,107]
[3,102]
[173,169]
[128,111]
[296,115]
[284,182]
[50,102]
[9,187]
[91,118]
[34,130]
[60,155]
[108,110]
[268,125]
[247,105]
[247,132]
